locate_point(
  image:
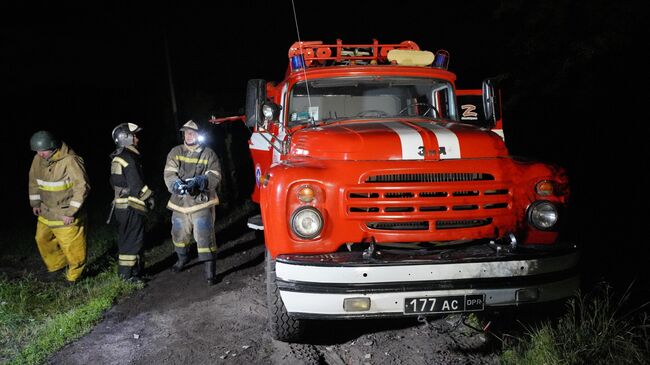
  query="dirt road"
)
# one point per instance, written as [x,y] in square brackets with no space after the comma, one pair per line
[178,319]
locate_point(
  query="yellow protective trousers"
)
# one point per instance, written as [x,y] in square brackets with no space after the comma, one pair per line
[62,246]
[199,226]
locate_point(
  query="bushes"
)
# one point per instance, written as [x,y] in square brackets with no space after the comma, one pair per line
[596,329]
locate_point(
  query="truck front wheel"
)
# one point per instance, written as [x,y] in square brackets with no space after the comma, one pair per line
[283,327]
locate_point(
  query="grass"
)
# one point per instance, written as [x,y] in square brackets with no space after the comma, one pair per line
[596,329]
[37,318]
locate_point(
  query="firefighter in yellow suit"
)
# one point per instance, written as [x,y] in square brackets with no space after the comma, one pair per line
[192,174]
[58,187]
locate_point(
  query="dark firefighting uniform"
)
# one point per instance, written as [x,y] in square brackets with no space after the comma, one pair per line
[132,198]
[59,186]
[193,216]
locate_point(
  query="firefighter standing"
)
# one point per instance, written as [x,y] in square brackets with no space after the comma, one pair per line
[58,187]
[133,199]
[192,173]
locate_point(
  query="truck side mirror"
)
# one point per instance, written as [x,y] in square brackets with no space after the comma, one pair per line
[255,99]
[491,101]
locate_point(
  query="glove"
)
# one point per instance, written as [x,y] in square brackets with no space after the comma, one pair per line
[179,187]
[151,203]
[197,185]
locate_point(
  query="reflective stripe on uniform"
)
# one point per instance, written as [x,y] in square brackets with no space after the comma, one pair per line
[216,173]
[35,197]
[121,161]
[193,208]
[75,204]
[127,260]
[191,160]
[145,193]
[54,185]
[129,200]
[171,169]
[123,203]
[206,249]
[181,244]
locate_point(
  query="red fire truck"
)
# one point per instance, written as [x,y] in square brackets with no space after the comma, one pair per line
[385,191]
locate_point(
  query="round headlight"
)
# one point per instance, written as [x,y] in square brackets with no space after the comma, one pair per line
[542,215]
[306,222]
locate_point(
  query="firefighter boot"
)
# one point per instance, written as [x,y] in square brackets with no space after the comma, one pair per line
[138,269]
[209,268]
[178,266]
[124,272]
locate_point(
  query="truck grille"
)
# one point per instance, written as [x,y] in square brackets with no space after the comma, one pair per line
[399,226]
[388,202]
[430,177]
[462,223]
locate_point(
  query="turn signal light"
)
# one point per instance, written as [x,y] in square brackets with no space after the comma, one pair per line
[544,188]
[306,194]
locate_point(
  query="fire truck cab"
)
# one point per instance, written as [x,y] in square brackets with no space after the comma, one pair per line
[385,191]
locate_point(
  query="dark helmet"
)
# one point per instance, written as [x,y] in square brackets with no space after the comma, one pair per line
[44,141]
[123,134]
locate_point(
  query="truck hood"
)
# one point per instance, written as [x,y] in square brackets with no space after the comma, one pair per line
[396,139]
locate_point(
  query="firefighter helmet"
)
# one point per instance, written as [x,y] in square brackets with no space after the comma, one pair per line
[44,141]
[190,125]
[123,134]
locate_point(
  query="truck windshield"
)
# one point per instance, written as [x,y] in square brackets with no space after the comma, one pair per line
[370,97]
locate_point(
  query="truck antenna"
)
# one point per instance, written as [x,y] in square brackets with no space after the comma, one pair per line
[295,18]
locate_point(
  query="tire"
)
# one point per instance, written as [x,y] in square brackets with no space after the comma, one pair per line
[282,326]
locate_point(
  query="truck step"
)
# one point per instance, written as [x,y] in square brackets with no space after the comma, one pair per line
[255,222]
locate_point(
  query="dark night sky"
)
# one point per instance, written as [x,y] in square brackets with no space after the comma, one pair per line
[566,70]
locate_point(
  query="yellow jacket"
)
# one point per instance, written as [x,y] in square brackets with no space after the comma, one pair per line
[58,185]
[185,163]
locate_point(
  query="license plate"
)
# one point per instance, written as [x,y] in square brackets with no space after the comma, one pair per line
[447,304]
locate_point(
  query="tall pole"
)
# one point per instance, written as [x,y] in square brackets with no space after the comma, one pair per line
[171,85]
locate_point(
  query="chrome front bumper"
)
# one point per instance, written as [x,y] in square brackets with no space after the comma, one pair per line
[315,286]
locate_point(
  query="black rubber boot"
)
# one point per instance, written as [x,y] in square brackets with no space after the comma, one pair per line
[209,268]
[180,263]
[138,269]
[124,272]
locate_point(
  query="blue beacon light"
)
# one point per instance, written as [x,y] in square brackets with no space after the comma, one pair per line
[441,60]
[297,62]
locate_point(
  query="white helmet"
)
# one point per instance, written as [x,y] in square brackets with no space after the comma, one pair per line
[123,134]
[190,125]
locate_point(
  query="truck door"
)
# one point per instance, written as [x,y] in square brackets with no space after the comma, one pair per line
[261,138]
